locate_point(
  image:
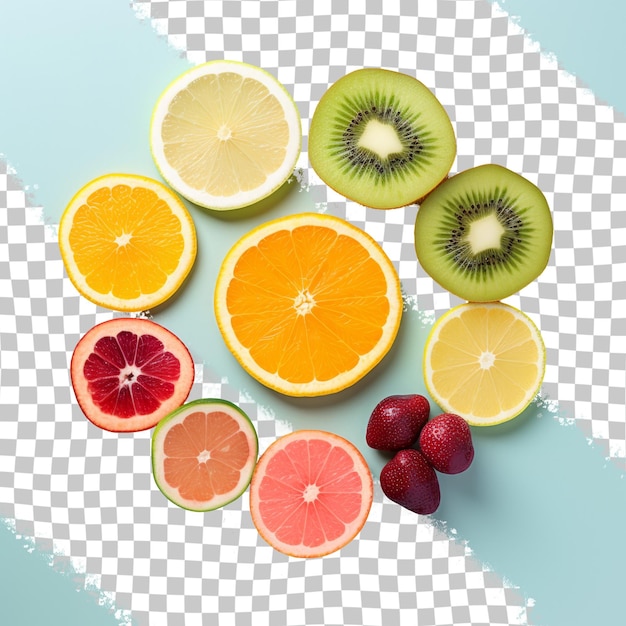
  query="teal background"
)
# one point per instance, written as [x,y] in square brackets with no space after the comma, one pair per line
[66,117]
[587,39]
[33,593]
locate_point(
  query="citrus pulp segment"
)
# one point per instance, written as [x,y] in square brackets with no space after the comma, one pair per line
[203,454]
[484,362]
[308,304]
[128,373]
[127,242]
[311,493]
[225,134]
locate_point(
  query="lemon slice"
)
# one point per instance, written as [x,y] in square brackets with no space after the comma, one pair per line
[127,242]
[225,134]
[308,303]
[484,362]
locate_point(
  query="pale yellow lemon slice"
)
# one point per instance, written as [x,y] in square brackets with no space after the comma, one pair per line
[484,362]
[225,134]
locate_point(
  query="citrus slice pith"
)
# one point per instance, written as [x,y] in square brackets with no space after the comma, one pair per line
[308,304]
[203,454]
[484,362]
[128,373]
[311,493]
[127,242]
[225,134]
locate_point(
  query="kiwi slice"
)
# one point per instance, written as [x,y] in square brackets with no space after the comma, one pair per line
[381,138]
[484,234]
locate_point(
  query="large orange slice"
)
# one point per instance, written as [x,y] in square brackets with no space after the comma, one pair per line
[127,242]
[203,454]
[484,361]
[311,493]
[308,304]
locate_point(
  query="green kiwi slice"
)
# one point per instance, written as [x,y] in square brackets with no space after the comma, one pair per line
[484,234]
[381,138]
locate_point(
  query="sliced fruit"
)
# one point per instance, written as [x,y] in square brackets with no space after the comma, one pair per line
[446,442]
[484,234]
[225,134]
[127,242]
[311,493]
[308,304]
[128,373]
[396,421]
[203,454]
[484,362]
[409,480]
[381,138]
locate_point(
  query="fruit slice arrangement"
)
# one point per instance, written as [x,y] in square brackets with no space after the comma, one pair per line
[311,493]
[225,134]
[308,304]
[127,374]
[401,424]
[203,454]
[482,234]
[382,139]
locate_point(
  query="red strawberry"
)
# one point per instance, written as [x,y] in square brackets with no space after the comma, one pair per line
[396,421]
[446,442]
[409,480]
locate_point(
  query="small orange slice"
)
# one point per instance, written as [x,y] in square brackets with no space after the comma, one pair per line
[311,493]
[127,242]
[203,454]
[308,304]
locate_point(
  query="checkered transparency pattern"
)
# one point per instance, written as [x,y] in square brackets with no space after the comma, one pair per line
[90,494]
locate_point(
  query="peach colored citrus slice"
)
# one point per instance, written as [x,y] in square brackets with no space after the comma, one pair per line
[203,454]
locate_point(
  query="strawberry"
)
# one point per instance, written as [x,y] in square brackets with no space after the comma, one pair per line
[409,480]
[446,441]
[396,422]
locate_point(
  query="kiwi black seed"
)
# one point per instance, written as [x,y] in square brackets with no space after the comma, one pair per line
[484,234]
[381,138]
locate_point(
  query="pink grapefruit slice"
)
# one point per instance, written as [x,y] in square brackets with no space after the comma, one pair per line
[129,373]
[203,454]
[311,493]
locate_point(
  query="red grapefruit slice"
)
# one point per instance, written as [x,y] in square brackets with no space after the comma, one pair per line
[311,493]
[203,454]
[128,373]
